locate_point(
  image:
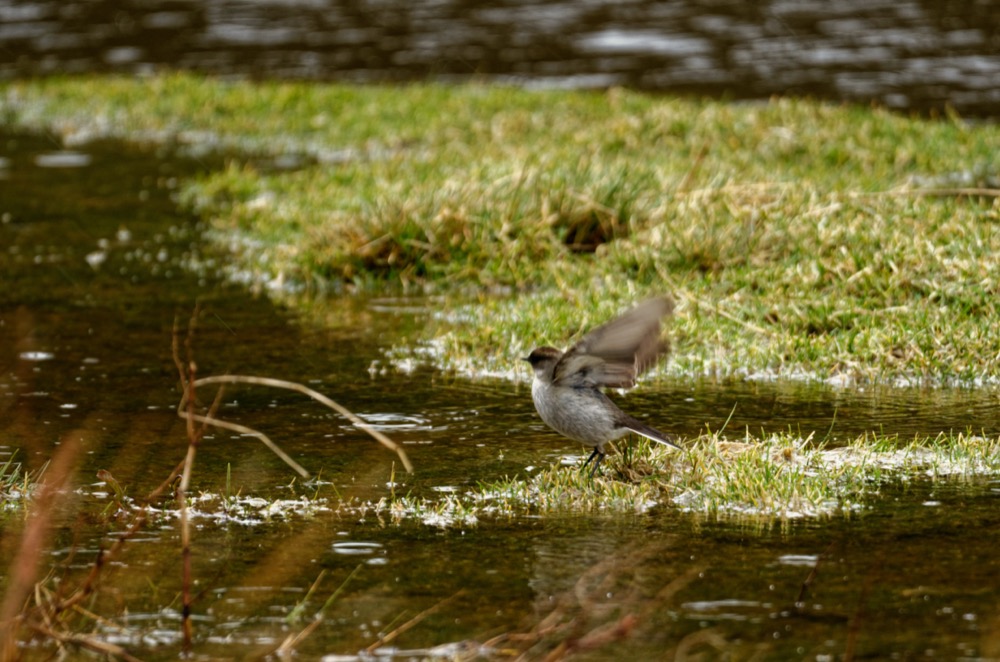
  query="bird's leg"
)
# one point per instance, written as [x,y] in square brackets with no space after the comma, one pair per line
[599,455]
[593,472]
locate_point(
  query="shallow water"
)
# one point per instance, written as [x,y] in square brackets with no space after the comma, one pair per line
[93,270]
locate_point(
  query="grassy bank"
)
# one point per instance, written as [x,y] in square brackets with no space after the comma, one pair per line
[800,239]
[776,478]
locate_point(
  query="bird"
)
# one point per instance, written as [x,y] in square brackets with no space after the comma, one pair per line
[566,388]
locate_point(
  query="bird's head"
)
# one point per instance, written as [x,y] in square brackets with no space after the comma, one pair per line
[543,360]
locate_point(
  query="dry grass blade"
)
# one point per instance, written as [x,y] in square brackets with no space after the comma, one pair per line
[413,621]
[710,639]
[90,643]
[250,432]
[187,378]
[305,390]
[287,648]
[185,408]
[23,570]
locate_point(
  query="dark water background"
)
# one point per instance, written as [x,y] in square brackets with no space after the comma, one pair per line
[906,54]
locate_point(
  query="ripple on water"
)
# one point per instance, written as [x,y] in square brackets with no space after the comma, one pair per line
[356,548]
[389,421]
[373,550]
[36,356]
[727,610]
[63,159]
[803,560]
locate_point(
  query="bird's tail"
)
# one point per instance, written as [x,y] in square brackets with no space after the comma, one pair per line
[650,433]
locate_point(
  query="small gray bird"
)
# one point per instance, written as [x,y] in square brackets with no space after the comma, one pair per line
[567,385]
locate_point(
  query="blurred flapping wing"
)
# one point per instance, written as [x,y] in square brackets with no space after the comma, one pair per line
[614,354]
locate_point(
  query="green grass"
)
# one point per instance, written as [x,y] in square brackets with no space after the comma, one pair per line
[776,478]
[801,239]
[15,486]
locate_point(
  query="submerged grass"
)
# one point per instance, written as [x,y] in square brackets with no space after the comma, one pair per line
[15,486]
[801,239]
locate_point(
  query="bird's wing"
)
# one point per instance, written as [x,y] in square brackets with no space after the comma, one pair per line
[615,353]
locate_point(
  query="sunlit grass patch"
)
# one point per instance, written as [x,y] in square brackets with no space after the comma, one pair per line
[778,476]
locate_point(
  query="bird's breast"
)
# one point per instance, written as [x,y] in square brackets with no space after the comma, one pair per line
[583,414]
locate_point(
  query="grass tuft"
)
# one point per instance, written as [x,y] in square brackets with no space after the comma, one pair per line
[777,478]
